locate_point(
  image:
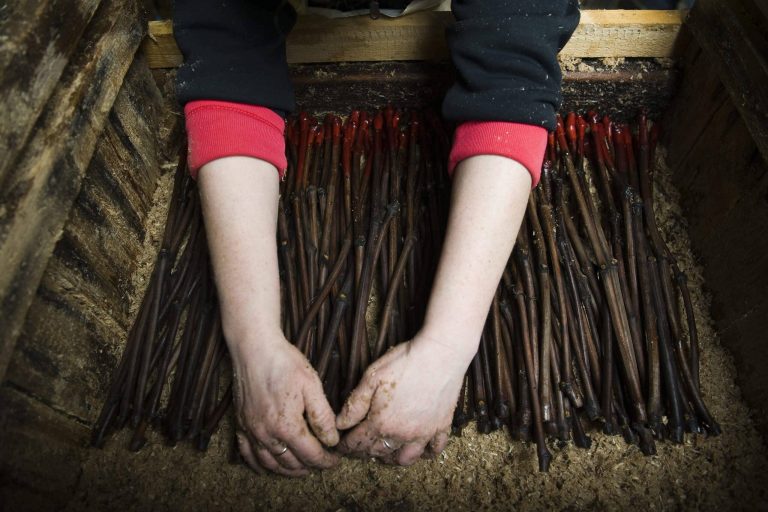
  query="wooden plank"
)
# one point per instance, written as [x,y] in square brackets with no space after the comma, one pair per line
[39,190]
[421,36]
[728,218]
[31,64]
[41,453]
[699,96]
[745,340]
[77,323]
[734,36]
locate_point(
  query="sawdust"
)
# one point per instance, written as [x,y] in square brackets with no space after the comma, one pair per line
[476,472]
[155,224]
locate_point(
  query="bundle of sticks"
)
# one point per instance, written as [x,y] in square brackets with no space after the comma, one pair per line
[174,371]
[591,325]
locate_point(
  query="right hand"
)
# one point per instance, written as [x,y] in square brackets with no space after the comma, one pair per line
[274,386]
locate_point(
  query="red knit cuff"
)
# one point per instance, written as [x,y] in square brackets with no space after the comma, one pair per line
[217,129]
[523,143]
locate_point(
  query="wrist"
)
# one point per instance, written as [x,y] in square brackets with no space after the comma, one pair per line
[453,349]
[252,339]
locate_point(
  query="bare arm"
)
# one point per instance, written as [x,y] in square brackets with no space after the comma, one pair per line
[274,384]
[407,397]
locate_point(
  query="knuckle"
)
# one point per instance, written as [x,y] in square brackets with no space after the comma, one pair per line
[322,418]
[284,431]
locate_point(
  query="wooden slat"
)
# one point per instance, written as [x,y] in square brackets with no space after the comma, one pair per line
[699,96]
[734,35]
[421,36]
[31,64]
[77,323]
[41,453]
[38,191]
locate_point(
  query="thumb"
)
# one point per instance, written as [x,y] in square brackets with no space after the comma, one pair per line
[320,415]
[356,407]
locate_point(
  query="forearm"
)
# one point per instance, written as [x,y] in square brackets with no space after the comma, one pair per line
[489,198]
[240,200]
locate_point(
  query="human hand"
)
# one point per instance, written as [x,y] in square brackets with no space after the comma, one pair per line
[274,389]
[404,404]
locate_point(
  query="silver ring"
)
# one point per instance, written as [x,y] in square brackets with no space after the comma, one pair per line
[388,446]
[285,449]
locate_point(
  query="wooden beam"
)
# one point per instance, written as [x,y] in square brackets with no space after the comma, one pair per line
[37,192]
[421,36]
[734,36]
[76,326]
[31,63]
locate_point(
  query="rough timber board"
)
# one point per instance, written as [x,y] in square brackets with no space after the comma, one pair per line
[38,192]
[31,65]
[734,35]
[79,317]
[41,453]
[421,36]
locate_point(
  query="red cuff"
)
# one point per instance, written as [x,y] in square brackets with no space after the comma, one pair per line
[217,129]
[523,143]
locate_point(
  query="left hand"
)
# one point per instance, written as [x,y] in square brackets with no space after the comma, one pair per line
[406,398]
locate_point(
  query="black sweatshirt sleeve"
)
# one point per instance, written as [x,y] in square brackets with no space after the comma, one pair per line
[505,54]
[234,50]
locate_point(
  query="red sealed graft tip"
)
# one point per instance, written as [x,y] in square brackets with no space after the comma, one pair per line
[291,131]
[349,136]
[551,152]
[642,129]
[336,130]
[570,128]
[560,134]
[361,135]
[582,129]
[303,144]
[608,128]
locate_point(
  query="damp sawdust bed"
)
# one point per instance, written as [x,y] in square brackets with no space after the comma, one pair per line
[476,471]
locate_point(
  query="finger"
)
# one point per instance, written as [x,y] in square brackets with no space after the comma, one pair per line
[410,453]
[286,458]
[244,446]
[267,460]
[358,403]
[379,449]
[437,444]
[320,415]
[360,440]
[308,449]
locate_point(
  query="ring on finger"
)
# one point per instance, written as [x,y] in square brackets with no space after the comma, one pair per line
[281,451]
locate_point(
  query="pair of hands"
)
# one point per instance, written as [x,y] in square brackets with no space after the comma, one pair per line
[285,424]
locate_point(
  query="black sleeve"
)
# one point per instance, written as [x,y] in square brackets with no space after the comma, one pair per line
[234,50]
[505,54]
